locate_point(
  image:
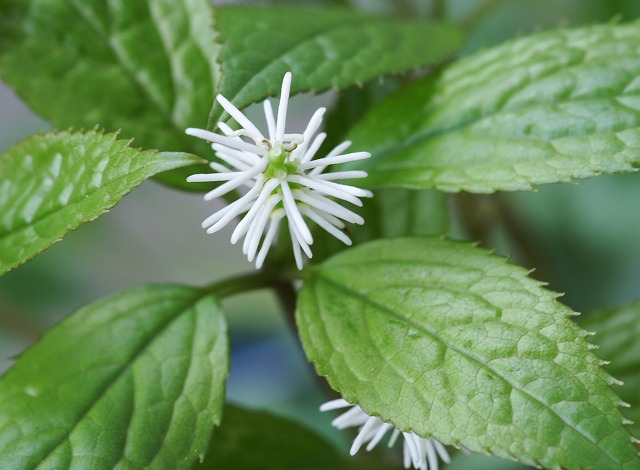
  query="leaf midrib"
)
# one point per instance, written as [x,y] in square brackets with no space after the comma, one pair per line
[468,355]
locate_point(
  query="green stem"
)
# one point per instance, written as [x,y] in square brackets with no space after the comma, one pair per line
[243,283]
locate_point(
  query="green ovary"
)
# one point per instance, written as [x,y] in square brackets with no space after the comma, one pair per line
[279,167]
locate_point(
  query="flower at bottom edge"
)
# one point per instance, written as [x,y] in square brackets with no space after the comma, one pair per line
[421,452]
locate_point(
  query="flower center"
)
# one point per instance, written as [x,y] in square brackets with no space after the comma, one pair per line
[279,164]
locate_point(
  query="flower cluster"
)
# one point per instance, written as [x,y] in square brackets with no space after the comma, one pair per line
[420,452]
[284,181]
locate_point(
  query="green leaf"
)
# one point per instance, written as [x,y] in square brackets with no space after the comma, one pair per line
[548,108]
[445,339]
[146,67]
[135,380]
[255,440]
[618,337]
[52,183]
[322,48]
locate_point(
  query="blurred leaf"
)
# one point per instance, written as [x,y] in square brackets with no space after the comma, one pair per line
[445,339]
[323,48]
[352,105]
[54,182]
[146,67]
[133,380]
[548,108]
[618,336]
[254,440]
[392,212]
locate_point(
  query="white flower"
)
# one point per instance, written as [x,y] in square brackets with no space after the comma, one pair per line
[420,452]
[283,179]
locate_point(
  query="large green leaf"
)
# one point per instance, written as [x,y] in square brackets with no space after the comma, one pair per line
[51,183]
[135,380]
[445,339]
[255,440]
[322,48]
[547,108]
[146,66]
[618,336]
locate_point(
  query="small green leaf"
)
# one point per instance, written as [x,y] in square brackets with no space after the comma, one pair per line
[322,48]
[618,337]
[134,380]
[445,339]
[259,441]
[52,183]
[548,108]
[147,67]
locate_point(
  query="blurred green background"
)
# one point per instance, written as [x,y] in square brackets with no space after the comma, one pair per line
[582,238]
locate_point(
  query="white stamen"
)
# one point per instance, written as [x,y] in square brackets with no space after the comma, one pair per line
[335,404]
[235,207]
[326,188]
[314,147]
[210,177]
[326,225]
[337,150]
[272,232]
[296,233]
[227,141]
[342,175]
[271,123]
[329,206]
[282,107]
[261,222]
[296,249]
[432,458]
[379,435]
[294,214]
[228,217]
[326,161]
[240,118]
[232,184]
[246,158]
[359,440]
[243,226]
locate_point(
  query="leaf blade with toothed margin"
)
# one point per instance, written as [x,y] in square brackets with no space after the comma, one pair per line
[618,339]
[322,48]
[445,339]
[134,380]
[52,183]
[548,108]
[146,67]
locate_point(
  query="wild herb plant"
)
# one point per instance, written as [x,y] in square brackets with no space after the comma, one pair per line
[435,339]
